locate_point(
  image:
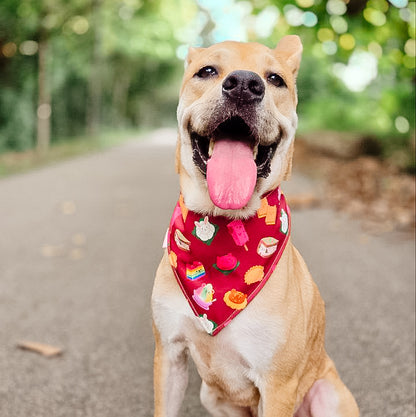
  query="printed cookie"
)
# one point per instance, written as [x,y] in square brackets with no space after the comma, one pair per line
[254,274]
[235,299]
[173,259]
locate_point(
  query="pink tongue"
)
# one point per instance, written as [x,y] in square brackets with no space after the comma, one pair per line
[231,174]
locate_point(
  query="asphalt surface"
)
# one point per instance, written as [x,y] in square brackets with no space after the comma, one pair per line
[79,245]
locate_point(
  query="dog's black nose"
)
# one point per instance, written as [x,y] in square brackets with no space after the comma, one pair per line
[245,87]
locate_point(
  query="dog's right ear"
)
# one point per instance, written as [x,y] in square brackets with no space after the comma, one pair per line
[192,53]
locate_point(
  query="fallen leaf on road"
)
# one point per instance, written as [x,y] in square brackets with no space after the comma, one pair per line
[41,348]
[76,253]
[367,188]
[379,193]
[68,207]
[123,209]
[302,201]
[79,239]
[52,251]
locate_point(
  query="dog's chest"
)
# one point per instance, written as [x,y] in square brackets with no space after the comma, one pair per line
[240,354]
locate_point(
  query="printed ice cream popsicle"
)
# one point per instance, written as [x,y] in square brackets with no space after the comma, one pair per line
[238,232]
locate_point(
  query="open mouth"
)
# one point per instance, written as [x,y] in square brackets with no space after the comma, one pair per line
[234,128]
[232,159]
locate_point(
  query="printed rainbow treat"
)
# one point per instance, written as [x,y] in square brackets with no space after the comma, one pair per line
[238,232]
[195,271]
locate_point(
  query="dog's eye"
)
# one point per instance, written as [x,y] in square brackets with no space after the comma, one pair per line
[276,80]
[206,72]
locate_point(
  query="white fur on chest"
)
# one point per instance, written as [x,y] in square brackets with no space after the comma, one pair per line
[256,336]
[240,353]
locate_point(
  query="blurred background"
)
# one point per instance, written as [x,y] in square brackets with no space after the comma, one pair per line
[79,241]
[82,72]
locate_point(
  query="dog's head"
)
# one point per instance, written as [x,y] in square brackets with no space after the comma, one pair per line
[237,121]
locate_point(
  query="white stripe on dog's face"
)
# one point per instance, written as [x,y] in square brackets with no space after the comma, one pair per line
[266,117]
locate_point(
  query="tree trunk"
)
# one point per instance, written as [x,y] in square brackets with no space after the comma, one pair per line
[44,100]
[120,97]
[94,81]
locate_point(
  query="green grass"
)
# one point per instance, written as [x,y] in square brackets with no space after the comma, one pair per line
[62,149]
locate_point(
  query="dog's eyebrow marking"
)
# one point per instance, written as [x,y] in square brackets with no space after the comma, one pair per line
[269,60]
[219,58]
[220,53]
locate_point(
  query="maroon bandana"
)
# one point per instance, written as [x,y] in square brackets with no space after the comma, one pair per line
[221,264]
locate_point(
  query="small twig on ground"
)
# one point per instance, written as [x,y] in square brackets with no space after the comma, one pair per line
[41,348]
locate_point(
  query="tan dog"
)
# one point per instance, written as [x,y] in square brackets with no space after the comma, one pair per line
[280,367]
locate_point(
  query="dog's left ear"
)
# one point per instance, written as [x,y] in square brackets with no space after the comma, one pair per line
[290,49]
[192,53]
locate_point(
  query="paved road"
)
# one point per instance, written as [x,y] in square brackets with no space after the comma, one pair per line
[79,244]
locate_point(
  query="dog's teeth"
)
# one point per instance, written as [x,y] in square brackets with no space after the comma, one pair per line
[255,151]
[211,147]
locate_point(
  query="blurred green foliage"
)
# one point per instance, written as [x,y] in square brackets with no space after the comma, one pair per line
[332,92]
[129,46]
[116,63]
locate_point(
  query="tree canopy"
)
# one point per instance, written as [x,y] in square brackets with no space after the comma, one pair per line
[84,65]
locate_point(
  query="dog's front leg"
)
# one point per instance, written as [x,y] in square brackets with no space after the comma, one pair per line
[170,377]
[277,400]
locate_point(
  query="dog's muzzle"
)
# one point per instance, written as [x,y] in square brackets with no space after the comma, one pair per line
[230,148]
